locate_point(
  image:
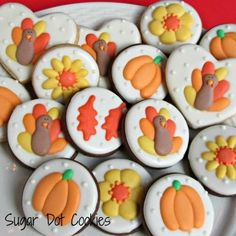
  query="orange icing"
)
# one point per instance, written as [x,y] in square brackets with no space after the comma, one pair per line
[171,22]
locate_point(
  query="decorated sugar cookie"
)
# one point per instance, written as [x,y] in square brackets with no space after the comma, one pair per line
[178,205]
[122,185]
[24,37]
[62,192]
[203,88]
[212,157]
[93,120]
[106,42]
[169,24]
[3,72]
[12,94]
[156,133]
[63,71]
[220,41]
[138,73]
[35,134]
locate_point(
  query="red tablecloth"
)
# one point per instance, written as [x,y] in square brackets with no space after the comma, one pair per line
[212,12]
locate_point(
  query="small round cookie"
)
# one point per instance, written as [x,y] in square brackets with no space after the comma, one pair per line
[220,41]
[62,71]
[178,205]
[93,121]
[169,24]
[138,73]
[212,157]
[34,132]
[63,195]
[12,93]
[156,133]
[122,185]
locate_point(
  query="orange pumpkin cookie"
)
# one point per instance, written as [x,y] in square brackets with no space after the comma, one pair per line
[58,193]
[35,134]
[138,73]
[180,205]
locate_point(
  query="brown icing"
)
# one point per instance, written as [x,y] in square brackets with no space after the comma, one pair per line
[205,96]
[103,57]
[163,141]
[25,49]
[41,140]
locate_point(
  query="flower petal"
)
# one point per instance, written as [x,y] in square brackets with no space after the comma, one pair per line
[112,176]
[208,156]
[183,33]
[212,146]
[130,178]
[187,20]
[67,93]
[54,113]
[82,83]
[76,65]
[104,188]
[175,9]
[57,92]
[168,37]
[137,194]
[231,172]
[57,65]
[50,83]
[50,73]
[110,208]
[66,62]
[128,210]
[156,27]
[212,165]
[221,142]
[221,171]
[81,73]
[231,141]
[159,13]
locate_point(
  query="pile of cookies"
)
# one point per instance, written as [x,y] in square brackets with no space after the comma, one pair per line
[72,90]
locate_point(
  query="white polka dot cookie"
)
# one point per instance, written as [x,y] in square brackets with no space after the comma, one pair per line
[12,94]
[169,24]
[63,71]
[34,132]
[212,157]
[62,196]
[178,205]
[122,185]
[138,73]
[24,37]
[93,120]
[155,133]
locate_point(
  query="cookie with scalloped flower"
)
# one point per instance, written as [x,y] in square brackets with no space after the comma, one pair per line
[169,24]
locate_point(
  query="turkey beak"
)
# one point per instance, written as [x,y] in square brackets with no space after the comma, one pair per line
[102,47]
[210,82]
[29,37]
[45,125]
[163,123]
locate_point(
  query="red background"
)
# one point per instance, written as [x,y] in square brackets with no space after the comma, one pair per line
[212,12]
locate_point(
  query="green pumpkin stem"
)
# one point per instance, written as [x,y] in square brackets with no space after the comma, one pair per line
[176,185]
[68,174]
[157,60]
[220,33]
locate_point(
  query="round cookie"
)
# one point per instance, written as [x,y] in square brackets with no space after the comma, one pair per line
[122,185]
[178,205]
[62,71]
[156,133]
[12,93]
[63,193]
[220,41]
[93,120]
[34,132]
[138,73]
[169,24]
[212,157]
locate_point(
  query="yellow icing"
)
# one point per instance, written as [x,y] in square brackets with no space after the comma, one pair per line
[130,178]
[221,73]
[231,141]
[212,146]
[50,73]
[183,34]
[110,208]
[57,65]
[105,36]
[208,156]
[187,20]
[175,9]
[104,191]
[76,66]
[168,37]
[50,83]
[164,112]
[231,172]
[82,73]
[212,165]
[66,62]
[136,194]
[220,141]
[128,210]
[11,51]
[190,94]
[147,145]
[156,27]
[221,171]
[39,27]
[54,113]
[57,92]
[112,176]
[24,139]
[159,13]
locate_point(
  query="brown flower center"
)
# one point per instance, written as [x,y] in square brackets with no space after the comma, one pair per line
[226,156]
[119,192]
[171,22]
[67,79]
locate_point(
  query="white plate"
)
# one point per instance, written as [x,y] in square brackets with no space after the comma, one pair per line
[13,176]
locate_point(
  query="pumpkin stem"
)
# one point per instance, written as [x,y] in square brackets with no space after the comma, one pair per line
[157,60]
[68,174]
[220,33]
[176,185]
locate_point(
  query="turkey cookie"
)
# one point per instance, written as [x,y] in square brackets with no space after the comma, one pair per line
[122,185]
[204,89]
[34,132]
[156,133]
[221,41]
[178,205]
[138,73]
[212,157]
[24,37]
[12,94]
[62,71]
[170,24]
[63,193]
[93,120]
